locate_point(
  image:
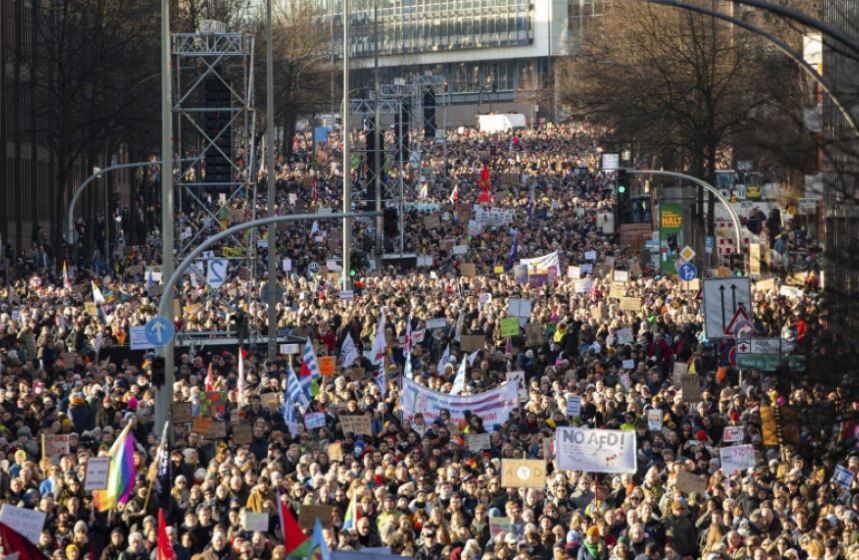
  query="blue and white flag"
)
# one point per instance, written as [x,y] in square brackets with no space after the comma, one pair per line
[843,476]
[407,349]
[294,392]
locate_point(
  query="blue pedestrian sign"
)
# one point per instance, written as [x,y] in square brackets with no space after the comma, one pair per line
[687,272]
[159,331]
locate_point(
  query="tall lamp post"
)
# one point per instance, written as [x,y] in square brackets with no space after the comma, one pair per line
[269,171]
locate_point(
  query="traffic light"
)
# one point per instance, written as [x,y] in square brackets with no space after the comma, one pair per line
[217,122]
[158,371]
[624,200]
[429,113]
[390,222]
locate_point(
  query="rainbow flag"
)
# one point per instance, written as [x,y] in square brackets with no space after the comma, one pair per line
[120,474]
[352,513]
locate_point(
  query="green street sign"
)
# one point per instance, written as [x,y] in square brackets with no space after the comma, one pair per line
[770,362]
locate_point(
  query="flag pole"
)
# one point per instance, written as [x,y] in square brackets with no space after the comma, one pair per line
[157,453]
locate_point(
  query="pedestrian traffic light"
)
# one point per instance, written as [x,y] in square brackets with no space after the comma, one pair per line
[623,212]
[429,113]
[158,371]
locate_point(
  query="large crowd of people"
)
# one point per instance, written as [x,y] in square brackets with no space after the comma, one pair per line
[630,350]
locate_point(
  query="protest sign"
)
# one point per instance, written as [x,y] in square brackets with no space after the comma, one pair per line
[472,342]
[509,327]
[327,364]
[468,270]
[56,445]
[574,406]
[437,323]
[181,412]
[255,521]
[213,403]
[270,400]
[96,473]
[335,451]
[680,369]
[493,407]
[621,276]
[574,272]
[356,424]
[628,364]
[691,388]
[26,522]
[499,525]
[630,304]
[654,419]
[477,442]
[313,420]
[534,334]
[243,434]
[623,336]
[604,451]
[737,458]
[687,483]
[523,473]
[733,434]
[617,290]
[518,377]
[308,514]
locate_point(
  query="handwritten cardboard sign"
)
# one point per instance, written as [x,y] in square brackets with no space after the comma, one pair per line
[356,424]
[523,473]
[687,483]
[243,435]
[181,412]
[308,514]
[96,473]
[472,342]
[327,365]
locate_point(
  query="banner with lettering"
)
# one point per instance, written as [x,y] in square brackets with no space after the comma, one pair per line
[492,406]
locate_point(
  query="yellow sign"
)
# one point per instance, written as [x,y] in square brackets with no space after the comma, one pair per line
[671,219]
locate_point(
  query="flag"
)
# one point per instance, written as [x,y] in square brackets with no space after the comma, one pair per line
[460,321]
[348,352]
[454,194]
[210,379]
[148,282]
[317,542]
[15,543]
[162,471]
[472,357]
[97,296]
[379,342]
[165,549]
[514,252]
[67,282]
[843,476]
[120,474]
[350,521]
[293,390]
[531,203]
[381,380]
[459,380]
[407,349]
[242,384]
[310,374]
[294,539]
[445,358]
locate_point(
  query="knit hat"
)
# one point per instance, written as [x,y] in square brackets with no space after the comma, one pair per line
[593,531]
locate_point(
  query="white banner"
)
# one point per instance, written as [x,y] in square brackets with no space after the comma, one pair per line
[737,458]
[26,522]
[492,406]
[605,451]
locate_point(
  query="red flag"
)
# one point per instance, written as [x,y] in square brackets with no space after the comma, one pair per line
[293,536]
[165,549]
[210,379]
[14,542]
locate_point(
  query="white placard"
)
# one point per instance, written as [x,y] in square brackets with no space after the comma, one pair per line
[253,521]
[590,255]
[621,276]
[138,338]
[654,419]
[574,406]
[629,364]
[583,285]
[737,458]
[623,336]
[574,272]
[26,522]
[96,473]
[605,451]
[484,298]
[348,295]
[459,249]
[733,434]
[286,265]
[519,308]
[438,323]
[216,272]
[289,349]
[424,260]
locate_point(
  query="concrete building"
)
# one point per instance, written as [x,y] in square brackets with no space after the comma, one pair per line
[497,55]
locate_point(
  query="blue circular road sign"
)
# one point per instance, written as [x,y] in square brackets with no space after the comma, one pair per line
[687,272]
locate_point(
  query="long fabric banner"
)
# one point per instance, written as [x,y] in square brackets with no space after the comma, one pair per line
[543,265]
[603,451]
[492,406]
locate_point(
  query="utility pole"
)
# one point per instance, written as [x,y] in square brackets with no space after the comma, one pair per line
[377,156]
[165,393]
[269,171]
[347,163]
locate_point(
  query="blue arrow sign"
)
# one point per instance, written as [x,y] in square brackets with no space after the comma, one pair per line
[159,331]
[687,272]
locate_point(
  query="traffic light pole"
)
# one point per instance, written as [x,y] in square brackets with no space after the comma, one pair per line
[269,165]
[347,157]
[164,394]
